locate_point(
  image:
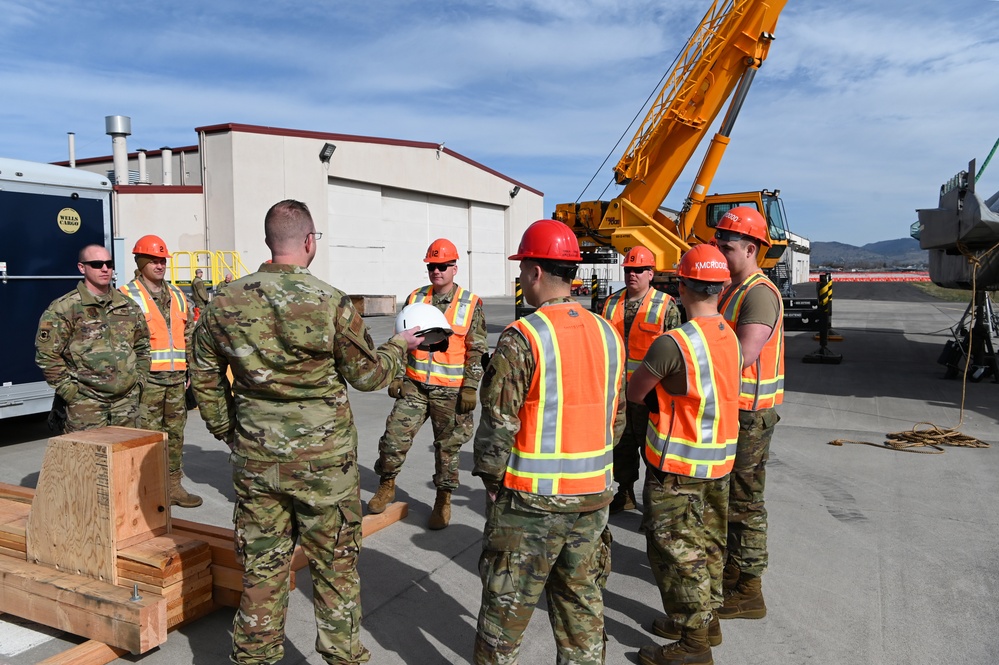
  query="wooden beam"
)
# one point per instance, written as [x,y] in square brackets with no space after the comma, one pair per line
[16,493]
[394,512]
[82,606]
[90,652]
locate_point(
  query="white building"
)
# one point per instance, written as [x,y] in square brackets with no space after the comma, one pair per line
[378,203]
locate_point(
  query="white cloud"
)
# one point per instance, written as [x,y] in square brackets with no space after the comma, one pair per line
[860,112]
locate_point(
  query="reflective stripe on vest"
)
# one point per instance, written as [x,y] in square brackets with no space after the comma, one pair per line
[763,381]
[566,439]
[444,368]
[646,327]
[696,434]
[167,349]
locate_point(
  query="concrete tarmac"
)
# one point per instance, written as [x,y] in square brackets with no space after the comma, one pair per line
[877,557]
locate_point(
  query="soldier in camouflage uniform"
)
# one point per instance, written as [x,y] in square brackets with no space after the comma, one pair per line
[291,341]
[439,385]
[92,346]
[753,306]
[659,314]
[199,293]
[690,378]
[546,518]
[171,325]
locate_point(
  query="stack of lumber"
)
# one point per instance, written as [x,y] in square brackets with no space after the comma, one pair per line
[98,528]
[13,520]
[173,566]
[227,572]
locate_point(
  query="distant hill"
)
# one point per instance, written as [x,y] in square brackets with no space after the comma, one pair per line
[898,253]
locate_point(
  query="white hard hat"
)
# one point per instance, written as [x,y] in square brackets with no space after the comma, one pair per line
[434,327]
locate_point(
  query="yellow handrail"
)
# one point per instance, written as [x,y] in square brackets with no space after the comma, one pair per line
[216,264]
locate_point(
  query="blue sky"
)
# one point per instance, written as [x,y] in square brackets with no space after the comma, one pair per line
[861,111]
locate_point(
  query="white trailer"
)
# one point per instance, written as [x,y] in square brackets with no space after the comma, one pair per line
[47,214]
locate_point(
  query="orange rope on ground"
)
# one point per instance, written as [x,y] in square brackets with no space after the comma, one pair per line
[933,437]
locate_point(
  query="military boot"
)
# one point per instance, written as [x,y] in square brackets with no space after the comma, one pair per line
[441,516]
[180,496]
[745,601]
[666,627]
[624,499]
[691,649]
[383,497]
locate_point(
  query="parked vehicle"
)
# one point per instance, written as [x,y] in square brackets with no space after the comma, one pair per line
[47,214]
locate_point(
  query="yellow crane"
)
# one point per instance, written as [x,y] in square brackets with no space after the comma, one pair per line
[717,64]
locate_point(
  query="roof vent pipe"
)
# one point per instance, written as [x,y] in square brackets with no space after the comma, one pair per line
[118,127]
[72,149]
[143,178]
[166,155]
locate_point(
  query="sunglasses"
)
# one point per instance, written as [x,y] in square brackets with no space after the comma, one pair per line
[727,236]
[439,267]
[635,271]
[97,265]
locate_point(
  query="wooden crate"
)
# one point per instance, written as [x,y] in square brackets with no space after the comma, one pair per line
[98,491]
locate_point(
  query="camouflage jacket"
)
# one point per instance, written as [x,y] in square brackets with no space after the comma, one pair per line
[199,293]
[476,342]
[95,346]
[504,390]
[292,342]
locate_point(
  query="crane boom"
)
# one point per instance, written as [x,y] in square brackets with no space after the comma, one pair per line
[718,63]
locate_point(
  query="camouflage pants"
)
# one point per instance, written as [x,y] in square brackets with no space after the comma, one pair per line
[411,410]
[164,409]
[564,555]
[747,514]
[317,503]
[88,413]
[628,451]
[685,538]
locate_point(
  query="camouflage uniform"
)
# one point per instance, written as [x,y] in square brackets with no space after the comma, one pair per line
[163,407]
[685,517]
[291,342]
[747,513]
[199,294]
[627,451]
[420,401]
[534,543]
[94,351]
[685,531]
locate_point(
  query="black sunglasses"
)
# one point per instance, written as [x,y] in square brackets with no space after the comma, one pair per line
[727,236]
[629,271]
[97,265]
[439,267]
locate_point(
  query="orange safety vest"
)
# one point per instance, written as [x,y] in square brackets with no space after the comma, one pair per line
[166,344]
[648,323]
[696,434]
[444,368]
[566,439]
[763,381]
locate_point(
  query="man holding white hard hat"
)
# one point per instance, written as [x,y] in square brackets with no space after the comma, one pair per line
[439,383]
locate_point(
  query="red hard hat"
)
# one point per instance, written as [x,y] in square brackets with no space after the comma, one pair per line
[151,246]
[548,239]
[747,221]
[639,257]
[441,250]
[704,263]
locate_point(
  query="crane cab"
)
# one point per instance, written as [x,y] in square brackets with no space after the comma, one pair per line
[767,202]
